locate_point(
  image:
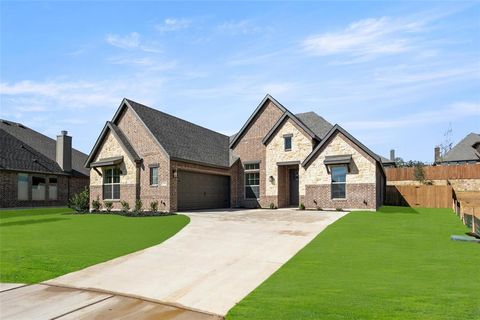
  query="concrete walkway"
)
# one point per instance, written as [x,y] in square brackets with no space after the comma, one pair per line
[215,261]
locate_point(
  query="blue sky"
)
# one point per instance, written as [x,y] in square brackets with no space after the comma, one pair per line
[394,74]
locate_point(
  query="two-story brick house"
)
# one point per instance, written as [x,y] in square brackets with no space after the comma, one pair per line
[276,158]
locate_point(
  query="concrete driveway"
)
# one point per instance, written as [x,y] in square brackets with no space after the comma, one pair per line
[215,261]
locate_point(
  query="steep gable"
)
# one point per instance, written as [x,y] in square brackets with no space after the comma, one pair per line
[260,122]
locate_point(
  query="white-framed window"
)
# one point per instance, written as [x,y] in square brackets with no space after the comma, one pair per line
[252,180]
[111,183]
[38,188]
[287,142]
[339,182]
[154,176]
[22,183]
[52,188]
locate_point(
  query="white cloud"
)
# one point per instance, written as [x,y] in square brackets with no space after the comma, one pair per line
[365,38]
[173,24]
[130,41]
[240,27]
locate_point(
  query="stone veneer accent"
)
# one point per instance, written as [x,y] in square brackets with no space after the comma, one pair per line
[363,167]
[358,196]
[111,148]
[302,146]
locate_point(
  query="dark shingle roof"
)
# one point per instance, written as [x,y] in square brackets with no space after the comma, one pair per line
[43,144]
[464,150]
[184,140]
[16,155]
[314,122]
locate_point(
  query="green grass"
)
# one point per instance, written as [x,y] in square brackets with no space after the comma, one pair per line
[398,263]
[40,244]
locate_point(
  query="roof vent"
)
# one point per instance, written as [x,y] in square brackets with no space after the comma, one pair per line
[6,122]
[21,125]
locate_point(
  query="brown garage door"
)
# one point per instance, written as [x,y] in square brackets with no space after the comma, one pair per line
[202,191]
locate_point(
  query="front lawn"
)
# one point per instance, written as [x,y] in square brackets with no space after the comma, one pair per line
[40,244]
[398,263]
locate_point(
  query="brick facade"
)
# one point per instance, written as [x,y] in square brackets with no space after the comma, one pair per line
[358,196]
[251,148]
[364,181]
[67,186]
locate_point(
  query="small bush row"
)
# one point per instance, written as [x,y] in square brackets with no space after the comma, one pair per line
[80,203]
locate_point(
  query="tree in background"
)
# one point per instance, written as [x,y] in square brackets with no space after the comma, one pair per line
[447,143]
[418,172]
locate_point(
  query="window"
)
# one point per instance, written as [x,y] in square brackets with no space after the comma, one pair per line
[111,184]
[252,180]
[339,178]
[52,188]
[287,142]
[154,176]
[252,166]
[38,188]
[22,181]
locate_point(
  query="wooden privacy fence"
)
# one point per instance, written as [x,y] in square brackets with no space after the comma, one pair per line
[467,207]
[428,196]
[464,171]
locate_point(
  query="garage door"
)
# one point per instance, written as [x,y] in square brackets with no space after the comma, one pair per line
[202,191]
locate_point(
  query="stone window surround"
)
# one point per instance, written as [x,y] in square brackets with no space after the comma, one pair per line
[112,184]
[289,136]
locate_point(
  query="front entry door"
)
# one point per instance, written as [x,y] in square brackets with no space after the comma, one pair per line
[293,180]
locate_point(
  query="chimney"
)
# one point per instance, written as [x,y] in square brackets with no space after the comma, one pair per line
[64,151]
[437,154]
[392,155]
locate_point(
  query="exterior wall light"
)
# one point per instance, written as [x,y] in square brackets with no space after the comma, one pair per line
[271,179]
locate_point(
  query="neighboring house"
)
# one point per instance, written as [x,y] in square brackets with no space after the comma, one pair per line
[466,151]
[36,170]
[276,158]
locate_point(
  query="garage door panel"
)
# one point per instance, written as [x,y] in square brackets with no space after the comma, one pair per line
[202,191]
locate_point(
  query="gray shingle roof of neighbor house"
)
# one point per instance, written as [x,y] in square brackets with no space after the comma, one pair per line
[183,140]
[43,144]
[18,156]
[464,150]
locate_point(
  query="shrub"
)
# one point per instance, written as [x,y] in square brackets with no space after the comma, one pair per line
[419,173]
[319,209]
[338,209]
[80,201]
[301,206]
[96,205]
[125,206]
[272,205]
[138,206]
[108,205]
[154,206]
